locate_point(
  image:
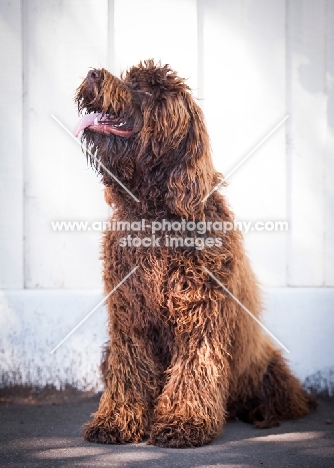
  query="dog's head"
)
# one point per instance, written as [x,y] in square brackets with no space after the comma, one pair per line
[147,130]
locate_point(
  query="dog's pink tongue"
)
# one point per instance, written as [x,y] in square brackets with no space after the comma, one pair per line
[86,121]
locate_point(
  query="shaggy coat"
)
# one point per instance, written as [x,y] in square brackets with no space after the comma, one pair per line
[183,355]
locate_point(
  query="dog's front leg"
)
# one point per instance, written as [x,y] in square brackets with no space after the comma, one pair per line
[191,409]
[132,381]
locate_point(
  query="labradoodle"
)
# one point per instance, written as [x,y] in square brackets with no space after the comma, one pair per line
[184,356]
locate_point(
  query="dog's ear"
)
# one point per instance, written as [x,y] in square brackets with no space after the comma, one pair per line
[192,174]
[166,121]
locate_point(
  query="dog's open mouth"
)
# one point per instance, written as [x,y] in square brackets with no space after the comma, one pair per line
[102,123]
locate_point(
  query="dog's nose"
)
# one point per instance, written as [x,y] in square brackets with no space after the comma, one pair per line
[94,76]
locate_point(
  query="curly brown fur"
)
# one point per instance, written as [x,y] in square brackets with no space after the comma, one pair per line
[183,354]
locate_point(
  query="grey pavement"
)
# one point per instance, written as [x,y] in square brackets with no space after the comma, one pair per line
[49,435]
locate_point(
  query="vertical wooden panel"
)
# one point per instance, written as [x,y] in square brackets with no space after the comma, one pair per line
[11,183]
[85,48]
[63,39]
[244,99]
[306,41]
[329,168]
[44,161]
[164,29]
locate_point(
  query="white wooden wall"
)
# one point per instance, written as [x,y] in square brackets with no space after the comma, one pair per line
[251,62]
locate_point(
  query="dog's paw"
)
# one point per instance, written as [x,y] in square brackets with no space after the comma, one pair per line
[179,434]
[106,432]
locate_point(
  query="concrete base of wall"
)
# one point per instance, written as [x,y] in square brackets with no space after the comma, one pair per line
[33,322]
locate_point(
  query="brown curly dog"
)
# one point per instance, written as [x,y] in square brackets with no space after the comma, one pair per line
[183,355]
